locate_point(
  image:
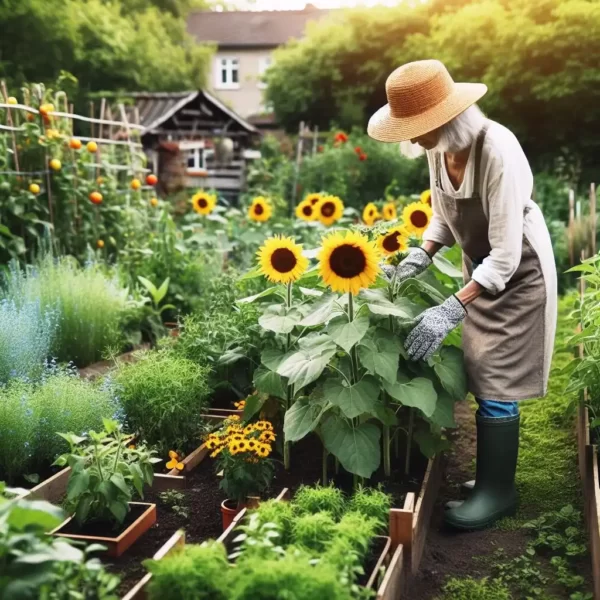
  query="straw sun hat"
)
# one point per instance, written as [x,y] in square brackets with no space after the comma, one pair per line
[421,97]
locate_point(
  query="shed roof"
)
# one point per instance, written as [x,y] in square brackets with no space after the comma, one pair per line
[251,28]
[157,107]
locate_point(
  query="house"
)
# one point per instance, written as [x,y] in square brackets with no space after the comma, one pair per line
[245,43]
[192,140]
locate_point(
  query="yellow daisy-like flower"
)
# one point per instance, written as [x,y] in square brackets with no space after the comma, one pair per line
[204,203]
[389,211]
[240,405]
[243,445]
[314,198]
[306,211]
[263,451]
[237,437]
[264,425]
[234,448]
[370,214]
[260,210]
[216,453]
[394,240]
[329,210]
[348,262]
[252,445]
[266,436]
[281,261]
[417,217]
[234,418]
[426,197]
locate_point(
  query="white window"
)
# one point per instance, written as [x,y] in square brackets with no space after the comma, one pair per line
[227,74]
[196,159]
[264,62]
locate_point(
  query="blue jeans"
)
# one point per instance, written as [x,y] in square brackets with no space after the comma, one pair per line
[492,409]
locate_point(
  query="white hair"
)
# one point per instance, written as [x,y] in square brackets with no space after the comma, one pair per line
[460,133]
[456,135]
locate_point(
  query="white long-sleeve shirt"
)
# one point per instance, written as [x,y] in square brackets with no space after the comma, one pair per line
[507,185]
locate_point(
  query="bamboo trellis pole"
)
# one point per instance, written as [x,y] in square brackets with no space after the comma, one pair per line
[299,148]
[571,229]
[593,216]
[9,122]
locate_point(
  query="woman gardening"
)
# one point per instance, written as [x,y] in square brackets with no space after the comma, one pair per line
[481,186]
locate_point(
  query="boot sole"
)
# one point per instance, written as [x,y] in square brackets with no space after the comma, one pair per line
[476,525]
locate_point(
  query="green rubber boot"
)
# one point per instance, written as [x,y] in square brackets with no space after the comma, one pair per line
[494,495]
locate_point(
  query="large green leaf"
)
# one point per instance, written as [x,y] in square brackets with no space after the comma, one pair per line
[268,292]
[272,358]
[357,448]
[379,304]
[303,417]
[354,400]
[34,515]
[78,483]
[430,443]
[379,352]
[254,404]
[306,365]
[346,333]
[279,319]
[449,366]
[446,267]
[443,416]
[270,383]
[321,311]
[416,393]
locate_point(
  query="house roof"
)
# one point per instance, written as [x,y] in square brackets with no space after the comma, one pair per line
[157,107]
[251,28]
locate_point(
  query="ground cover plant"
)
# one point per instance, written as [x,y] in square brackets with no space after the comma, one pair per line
[163,396]
[32,412]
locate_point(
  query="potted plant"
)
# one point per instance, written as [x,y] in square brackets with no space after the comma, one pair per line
[242,454]
[106,470]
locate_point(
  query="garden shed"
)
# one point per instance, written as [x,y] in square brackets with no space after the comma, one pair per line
[193,140]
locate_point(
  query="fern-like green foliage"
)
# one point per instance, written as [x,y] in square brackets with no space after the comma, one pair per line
[358,530]
[314,532]
[372,503]
[280,514]
[309,500]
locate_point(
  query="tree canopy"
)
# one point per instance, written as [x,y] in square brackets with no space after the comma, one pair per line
[539,59]
[107,45]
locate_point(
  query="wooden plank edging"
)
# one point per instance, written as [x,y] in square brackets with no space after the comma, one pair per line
[592,505]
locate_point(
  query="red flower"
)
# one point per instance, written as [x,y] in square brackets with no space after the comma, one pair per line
[320,148]
[362,156]
[358,150]
[340,137]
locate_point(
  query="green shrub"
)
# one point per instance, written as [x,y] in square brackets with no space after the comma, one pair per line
[372,503]
[197,572]
[357,530]
[291,578]
[313,532]
[31,414]
[309,500]
[280,514]
[89,306]
[163,397]
[471,589]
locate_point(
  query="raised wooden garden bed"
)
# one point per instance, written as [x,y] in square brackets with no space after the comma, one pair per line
[409,525]
[118,544]
[592,506]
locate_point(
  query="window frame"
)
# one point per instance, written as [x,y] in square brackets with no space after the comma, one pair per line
[227,65]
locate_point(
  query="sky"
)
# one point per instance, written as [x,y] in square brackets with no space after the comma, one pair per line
[299,4]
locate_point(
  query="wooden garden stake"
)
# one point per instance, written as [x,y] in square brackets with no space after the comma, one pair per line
[9,122]
[315,140]
[593,216]
[571,229]
[297,169]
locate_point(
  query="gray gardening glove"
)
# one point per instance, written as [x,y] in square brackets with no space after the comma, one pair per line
[432,326]
[416,262]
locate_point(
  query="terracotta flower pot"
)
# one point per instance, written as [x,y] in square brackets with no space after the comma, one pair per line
[145,517]
[229,509]
[173,329]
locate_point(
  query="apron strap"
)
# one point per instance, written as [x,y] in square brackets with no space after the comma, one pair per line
[477,164]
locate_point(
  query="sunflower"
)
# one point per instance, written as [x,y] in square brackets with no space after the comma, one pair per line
[313,198]
[329,210]
[306,210]
[204,203]
[348,262]
[417,217]
[263,450]
[243,445]
[426,197]
[389,211]
[394,240]
[234,448]
[266,436]
[260,209]
[281,260]
[370,214]
[216,453]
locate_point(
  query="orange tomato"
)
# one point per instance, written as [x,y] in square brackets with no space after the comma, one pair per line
[55,164]
[96,198]
[99,180]
[152,179]
[46,108]
[100,244]
[135,184]
[75,144]
[92,147]
[154,202]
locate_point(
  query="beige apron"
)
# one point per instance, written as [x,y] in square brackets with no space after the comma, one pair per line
[503,335]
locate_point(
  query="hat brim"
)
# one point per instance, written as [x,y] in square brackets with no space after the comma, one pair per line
[386,128]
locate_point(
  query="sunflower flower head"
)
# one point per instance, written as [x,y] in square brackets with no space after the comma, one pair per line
[426,197]
[204,203]
[281,261]
[417,217]
[370,214]
[389,211]
[329,210]
[260,210]
[305,211]
[394,240]
[348,262]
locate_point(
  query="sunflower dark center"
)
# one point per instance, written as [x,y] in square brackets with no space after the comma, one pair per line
[419,218]
[283,260]
[391,243]
[371,213]
[258,209]
[314,200]
[327,209]
[347,261]
[202,203]
[307,210]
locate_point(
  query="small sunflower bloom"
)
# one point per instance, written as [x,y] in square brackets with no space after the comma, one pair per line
[389,211]
[260,210]
[393,241]
[281,260]
[370,214]
[425,197]
[204,203]
[329,210]
[417,217]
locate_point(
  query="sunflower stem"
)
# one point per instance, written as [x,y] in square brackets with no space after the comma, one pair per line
[290,389]
[409,436]
[353,356]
